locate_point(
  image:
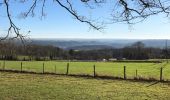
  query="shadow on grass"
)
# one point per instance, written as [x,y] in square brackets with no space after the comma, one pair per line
[153,84]
[87,76]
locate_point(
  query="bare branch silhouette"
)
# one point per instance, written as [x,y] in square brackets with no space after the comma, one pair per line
[129,11]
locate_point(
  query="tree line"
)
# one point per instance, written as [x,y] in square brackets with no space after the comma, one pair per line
[138,51]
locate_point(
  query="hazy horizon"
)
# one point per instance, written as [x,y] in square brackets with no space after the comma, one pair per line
[101,38]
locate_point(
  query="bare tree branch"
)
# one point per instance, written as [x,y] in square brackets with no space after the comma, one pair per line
[12,27]
[139,9]
[82,19]
[129,11]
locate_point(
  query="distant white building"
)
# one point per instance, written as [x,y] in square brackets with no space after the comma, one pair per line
[120,58]
[112,59]
[104,60]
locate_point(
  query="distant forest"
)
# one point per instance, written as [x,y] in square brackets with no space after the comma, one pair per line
[12,51]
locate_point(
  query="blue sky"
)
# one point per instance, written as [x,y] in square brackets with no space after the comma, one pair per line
[60,24]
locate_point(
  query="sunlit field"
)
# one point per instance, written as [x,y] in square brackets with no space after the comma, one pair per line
[16,86]
[145,70]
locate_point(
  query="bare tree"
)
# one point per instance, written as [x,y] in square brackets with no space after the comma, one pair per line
[129,11]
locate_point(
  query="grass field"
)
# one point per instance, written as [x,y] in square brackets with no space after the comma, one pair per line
[14,86]
[145,70]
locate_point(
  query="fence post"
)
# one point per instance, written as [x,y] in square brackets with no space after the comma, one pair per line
[21,66]
[55,68]
[67,68]
[161,74]
[124,72]
[43,68]
[136,73]
[94,71]
[4,65]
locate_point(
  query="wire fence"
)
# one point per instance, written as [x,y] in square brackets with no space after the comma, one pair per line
[150,72]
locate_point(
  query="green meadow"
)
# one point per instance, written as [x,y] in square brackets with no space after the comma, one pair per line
[144,69]
[17,86]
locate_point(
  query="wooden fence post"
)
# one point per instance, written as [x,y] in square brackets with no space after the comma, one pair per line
[136,73]
[4,65]
[21,66]
[43,68]
[55,68]
[94,71]
[124,72]
[67,68]
[161,69]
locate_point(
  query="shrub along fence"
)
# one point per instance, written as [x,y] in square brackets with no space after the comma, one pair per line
[94,72]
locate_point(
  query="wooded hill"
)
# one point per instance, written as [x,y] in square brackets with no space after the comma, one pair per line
[138,51]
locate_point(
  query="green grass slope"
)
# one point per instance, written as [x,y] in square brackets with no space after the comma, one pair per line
[15,86]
